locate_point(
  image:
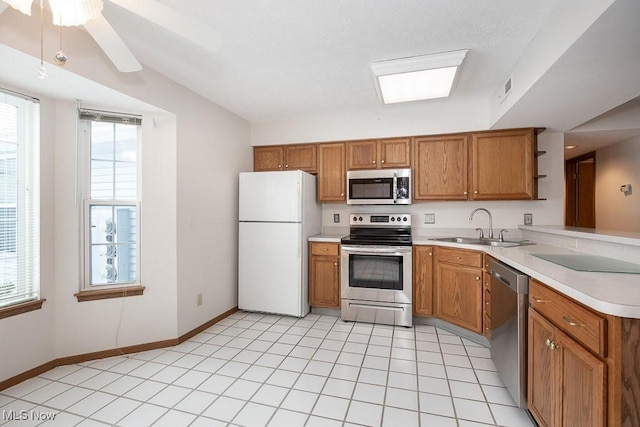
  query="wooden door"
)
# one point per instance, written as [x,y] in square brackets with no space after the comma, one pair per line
[301,157]
[270,158]
[362,154]
[395,153]
[324,281]
[583,378]
[459,296]
[543,398]
[580,203]
[440,168]
[423,280]
[331,172]
[502,165]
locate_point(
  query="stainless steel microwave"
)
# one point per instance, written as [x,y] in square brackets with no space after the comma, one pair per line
[379,187]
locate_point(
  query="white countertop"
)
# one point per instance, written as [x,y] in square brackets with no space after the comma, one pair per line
[326,237]
[617,294]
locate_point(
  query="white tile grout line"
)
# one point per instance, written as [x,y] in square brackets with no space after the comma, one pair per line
[284,327]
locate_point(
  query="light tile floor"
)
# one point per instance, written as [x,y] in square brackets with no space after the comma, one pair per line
[263,370]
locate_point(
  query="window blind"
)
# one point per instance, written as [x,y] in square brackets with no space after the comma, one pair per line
[109,116]
[19,198]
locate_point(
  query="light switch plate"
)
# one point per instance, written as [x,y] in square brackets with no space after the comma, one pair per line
[528,219]
[336,218]
[429,218]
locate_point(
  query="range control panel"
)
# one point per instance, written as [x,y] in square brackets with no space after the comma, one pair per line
[382,220]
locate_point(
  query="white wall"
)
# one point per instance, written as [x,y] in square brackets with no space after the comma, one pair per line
[436,116]
[192,153]
[99,325]
[212,149]
[616,165]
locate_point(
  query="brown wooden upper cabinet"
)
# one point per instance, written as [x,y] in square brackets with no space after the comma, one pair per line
[379,153]
[332,176]
[503,165]
[285,157]
[497,165]
[440,167]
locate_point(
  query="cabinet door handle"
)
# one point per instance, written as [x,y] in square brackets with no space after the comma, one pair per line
[475,192]
[430,253]
[571,322]
[465,193]
[341,194]
[286,166]
[477,278]
[538,300]
[374,162]
[457,257]
[551,344]
[324,249]
[335,263]
[279,166]
[381,161]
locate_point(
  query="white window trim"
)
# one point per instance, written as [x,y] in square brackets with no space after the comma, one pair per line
[84,172]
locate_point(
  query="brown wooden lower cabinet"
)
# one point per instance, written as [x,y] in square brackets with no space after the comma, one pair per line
[583,365]
[458,284]
[567,384]
[324,274]
[423,280]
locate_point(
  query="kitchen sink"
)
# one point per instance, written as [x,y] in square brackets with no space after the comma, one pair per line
[485,242]
[466,240]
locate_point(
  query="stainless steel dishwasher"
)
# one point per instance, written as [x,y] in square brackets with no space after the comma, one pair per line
[509,302]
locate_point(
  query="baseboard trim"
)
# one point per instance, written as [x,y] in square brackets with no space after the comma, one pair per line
[80,358]
[192,333]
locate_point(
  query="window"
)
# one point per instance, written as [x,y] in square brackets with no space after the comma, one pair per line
[19,199]
[112,202]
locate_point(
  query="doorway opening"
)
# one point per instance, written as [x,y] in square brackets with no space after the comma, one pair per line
[580,194]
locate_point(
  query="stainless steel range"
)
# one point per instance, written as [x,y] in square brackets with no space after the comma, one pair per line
[376,269]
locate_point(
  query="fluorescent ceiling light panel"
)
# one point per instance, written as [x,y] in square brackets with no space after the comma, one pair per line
[418,77]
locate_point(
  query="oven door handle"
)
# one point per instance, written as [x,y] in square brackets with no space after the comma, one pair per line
[377,307]
[389,250]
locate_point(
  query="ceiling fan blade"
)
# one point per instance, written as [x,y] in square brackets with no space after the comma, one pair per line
[174,21]
[112,45]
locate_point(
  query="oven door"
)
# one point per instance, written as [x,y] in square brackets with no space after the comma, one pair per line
[376,273]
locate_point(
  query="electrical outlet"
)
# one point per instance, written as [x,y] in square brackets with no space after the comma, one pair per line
[336,218]
[199,300]
[429,218]
[528,219]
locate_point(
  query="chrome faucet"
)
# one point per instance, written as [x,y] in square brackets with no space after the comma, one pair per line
[490,220]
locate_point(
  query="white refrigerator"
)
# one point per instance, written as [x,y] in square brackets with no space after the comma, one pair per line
[278,211]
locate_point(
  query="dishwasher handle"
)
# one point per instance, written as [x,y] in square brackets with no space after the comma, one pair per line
[516,281]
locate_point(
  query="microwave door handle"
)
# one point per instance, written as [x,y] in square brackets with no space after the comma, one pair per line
[395,188]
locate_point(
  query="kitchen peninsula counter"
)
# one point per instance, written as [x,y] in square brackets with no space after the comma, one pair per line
[617,294]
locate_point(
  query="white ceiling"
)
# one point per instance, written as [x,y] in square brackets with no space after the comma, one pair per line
[282,59]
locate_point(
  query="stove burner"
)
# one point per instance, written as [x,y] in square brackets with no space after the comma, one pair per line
[376,229]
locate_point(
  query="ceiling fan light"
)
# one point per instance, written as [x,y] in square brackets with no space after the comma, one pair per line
[71,13]
[23,6]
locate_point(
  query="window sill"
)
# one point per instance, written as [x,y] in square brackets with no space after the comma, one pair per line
[98,294]
[24,307]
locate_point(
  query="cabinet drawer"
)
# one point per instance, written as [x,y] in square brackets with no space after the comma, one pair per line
[582,324]
[321,248]
[459,256]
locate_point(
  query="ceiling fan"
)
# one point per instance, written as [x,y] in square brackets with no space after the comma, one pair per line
[66,11]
